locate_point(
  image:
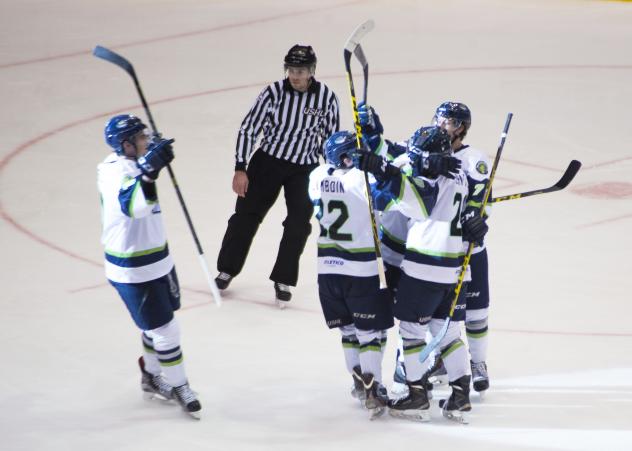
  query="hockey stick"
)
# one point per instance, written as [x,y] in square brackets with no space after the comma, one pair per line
[352,46]
[114,58]
[562,183]
[425,352]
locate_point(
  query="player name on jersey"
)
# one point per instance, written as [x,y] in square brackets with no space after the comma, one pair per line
[332,186]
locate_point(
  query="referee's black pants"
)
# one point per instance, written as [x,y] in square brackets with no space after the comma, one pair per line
[266,176]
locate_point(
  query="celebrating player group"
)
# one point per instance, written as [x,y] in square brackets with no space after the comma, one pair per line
[402,235]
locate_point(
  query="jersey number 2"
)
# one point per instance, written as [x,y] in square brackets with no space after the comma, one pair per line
[455,225]
[333,233]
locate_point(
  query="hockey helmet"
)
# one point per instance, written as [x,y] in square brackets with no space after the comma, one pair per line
[120,129]
[458,112]
[428,140]
[339,146]
[300,56]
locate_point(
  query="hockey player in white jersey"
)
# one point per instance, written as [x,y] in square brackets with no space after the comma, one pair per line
[348,282]
[431,265]
[455,118]
[137,259]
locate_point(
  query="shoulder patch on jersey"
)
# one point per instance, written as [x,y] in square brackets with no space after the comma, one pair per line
[481,167]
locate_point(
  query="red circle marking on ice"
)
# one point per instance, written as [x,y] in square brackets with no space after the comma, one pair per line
[605,190]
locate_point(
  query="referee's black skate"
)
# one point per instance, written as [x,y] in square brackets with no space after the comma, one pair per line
[188,400]
[415,406]
[459,401]
[357,391]
[376,396]
[222,280]
[480,378]
[154,386]
[283,294]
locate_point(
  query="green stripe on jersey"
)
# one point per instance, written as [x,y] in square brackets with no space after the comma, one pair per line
[340,248]
[137,253]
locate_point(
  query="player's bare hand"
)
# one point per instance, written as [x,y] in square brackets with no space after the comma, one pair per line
[240,183]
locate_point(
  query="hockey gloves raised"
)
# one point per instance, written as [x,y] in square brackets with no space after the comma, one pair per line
[159,154]
[372,128]
[474,226]
[376,165]
[434,165]
[369,120]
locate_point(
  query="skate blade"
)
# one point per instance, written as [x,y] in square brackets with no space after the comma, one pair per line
[195,415]
[482,395]
[152,396]
[456,416]
[375,412]
[281,304]
[421,416]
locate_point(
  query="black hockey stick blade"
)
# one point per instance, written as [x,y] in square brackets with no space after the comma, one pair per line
[114,58]
[567,178]
[569,175]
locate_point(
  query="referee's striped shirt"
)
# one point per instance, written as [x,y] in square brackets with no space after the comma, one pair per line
[294,125]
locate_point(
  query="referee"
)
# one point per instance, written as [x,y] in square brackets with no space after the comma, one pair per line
[294,117]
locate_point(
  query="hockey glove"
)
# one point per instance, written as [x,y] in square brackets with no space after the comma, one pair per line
[376,165]
[369,120]
[159,155]
[434,165]
[474,226]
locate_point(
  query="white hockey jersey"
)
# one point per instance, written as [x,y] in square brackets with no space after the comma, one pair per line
[133,234]
[434,245]
[477,167]
[393,224]
[394,227]
[345,244]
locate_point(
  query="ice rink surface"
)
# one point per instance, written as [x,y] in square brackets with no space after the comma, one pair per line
[561,332]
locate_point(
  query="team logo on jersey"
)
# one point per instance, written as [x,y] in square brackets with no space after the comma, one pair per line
[481,167]
[314,112]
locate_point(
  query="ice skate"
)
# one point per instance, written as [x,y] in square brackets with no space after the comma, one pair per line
[222,280]
[188,400]
[283,295]
[437,374]
[154,386]
[415,405]
[459,401]
[357,391]
[480,378]
[376,396]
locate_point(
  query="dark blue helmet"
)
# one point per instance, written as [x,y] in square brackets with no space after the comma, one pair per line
[120,129]
[459,112]
[339,146]
[300,56]
[430,140]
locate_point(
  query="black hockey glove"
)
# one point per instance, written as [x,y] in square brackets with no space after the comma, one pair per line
[376,165]
[159,155]
[474,226]
[434,165]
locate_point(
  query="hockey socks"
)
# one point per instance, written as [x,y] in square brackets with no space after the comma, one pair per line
[151,364]
[350,347]
[371,346]
[476,331]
